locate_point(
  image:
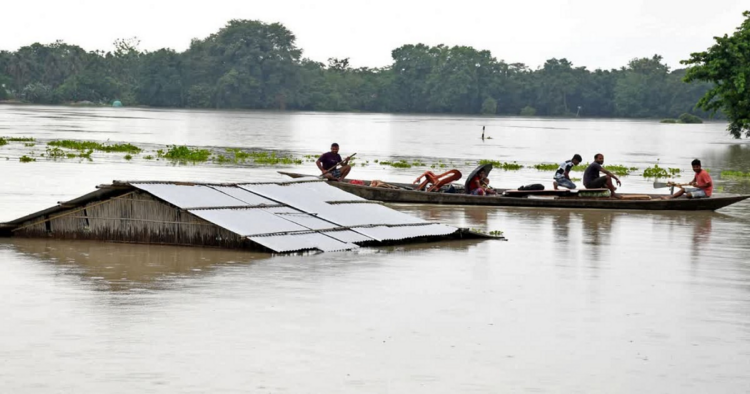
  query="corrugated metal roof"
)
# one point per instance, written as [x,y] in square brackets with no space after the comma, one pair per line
[364,214]
[243,195]
[300,242]
[190,196]
[319,191]
[302,218]
[248,221]
[315,215]
[383,233]
[349,236]
[315,202]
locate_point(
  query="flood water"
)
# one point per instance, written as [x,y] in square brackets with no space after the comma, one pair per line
[576,301]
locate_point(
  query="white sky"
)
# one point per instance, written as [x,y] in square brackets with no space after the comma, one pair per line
[591,33]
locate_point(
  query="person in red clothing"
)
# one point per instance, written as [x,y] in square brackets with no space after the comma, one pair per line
[480,185]
[704,186]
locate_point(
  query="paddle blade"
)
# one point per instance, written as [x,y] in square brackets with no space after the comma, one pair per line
[661,185]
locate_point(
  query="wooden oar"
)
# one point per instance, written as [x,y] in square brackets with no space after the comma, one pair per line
[321,176]
[661,185]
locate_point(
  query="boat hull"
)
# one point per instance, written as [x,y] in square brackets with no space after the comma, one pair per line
[570,202]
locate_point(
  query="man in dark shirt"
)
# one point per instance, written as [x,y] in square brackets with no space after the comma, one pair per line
[328,161]
[592,180]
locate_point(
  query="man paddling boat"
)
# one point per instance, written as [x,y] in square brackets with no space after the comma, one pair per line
[704,185]
[328,164]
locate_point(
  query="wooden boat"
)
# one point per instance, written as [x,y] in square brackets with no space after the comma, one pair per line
[404,193]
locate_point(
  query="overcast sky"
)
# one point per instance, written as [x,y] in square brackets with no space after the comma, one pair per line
[591,33]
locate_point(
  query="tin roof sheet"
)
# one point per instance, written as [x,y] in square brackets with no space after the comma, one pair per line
[349,236]
[364,214]
[315,202]
[305,191]
[385,233]
[248,221]
[243,195]
[301,242]
[190,196]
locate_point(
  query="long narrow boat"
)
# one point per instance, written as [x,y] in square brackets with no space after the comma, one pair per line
[404,193]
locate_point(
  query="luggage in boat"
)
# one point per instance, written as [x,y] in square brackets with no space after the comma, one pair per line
[533,186]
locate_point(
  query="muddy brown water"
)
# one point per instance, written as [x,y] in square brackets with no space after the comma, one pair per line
[575,301]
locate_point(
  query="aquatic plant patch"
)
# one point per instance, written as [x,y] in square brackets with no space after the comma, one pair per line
[396,164]
[86,145]
[657,172]
[546,166]
[502,165]
[26,159]
[618,169]
[184,154]
[735,174]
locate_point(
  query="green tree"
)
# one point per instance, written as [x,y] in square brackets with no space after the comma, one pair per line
[727,65]
[489,106]
[251,64]
[160,79]
[641,89]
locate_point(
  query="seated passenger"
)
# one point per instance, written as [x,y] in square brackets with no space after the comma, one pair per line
[592,180]
[562,177]
[480,185]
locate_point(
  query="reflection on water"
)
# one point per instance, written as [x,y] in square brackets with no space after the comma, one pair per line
[118,267]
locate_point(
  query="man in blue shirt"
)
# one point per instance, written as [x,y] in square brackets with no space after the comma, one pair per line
[328,162]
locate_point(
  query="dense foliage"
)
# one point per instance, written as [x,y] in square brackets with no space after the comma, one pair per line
[727,65]
[251,64]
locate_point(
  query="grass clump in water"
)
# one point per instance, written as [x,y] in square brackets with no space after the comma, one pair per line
[261,158]
[657,172]
[502,165]
[272,159]
[546,166]
[396,164]
[669,120]
[735,174]
[128,157]
[618,169]
[26,159]
[184,154]
[3,141]
[92,145]
[21,139]
[55,153]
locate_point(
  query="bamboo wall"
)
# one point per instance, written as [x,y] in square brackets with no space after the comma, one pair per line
[135,217]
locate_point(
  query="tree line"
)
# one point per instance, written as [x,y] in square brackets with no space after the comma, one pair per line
[255,65]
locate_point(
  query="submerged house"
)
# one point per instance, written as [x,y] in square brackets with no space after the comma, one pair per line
[280,217]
